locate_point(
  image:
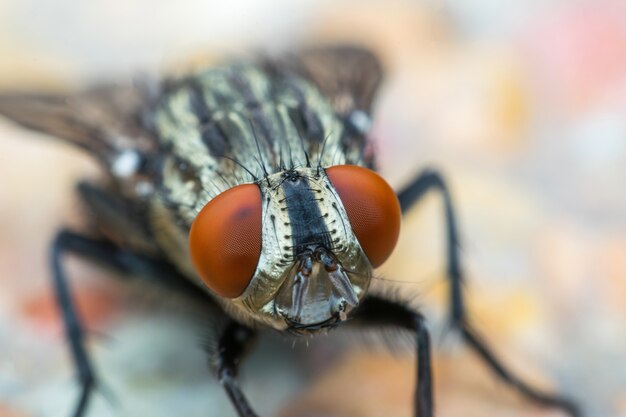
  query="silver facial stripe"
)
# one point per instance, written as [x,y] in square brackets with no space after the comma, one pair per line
[312,267]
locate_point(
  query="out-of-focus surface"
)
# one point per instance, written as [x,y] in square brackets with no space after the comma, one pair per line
[520,105]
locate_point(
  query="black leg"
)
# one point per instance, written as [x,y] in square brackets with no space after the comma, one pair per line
[73,326]
[375,311]
[108,255]
[113,257]
[233,344]
[431,180]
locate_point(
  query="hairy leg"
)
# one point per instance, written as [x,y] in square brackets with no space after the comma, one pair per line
[233,344]
[107,254]
[376,311]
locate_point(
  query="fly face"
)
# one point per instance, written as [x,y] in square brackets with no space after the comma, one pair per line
[312,269]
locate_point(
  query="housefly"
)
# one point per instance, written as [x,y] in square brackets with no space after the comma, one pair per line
[251,186]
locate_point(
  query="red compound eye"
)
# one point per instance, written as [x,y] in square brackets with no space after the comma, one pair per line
[372,207]
[225,240]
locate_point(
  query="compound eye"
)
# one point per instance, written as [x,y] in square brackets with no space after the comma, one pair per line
[225,240]
[372,207]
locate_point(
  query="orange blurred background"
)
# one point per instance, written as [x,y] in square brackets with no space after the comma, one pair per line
[522,107]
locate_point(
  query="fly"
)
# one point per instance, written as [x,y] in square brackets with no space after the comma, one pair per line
[250,186]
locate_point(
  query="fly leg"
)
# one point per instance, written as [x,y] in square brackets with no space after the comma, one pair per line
[233,344]
[375,311]
[431,180]
[109,255]
[73,326]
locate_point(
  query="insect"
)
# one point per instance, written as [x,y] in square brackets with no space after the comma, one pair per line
[250,186]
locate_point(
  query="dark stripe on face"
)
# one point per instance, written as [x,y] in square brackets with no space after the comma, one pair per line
[307,224]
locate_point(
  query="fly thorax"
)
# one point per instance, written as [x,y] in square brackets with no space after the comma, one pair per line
[312,271]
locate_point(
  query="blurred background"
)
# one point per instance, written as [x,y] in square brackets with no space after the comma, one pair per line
[520,104]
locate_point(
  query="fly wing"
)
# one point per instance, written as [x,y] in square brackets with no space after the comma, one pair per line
[348,75]
[104,120]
